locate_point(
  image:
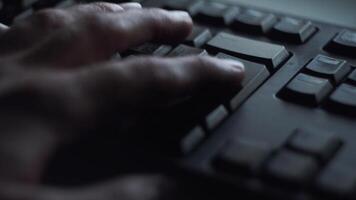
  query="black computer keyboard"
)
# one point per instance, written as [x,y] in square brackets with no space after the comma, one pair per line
[289,132]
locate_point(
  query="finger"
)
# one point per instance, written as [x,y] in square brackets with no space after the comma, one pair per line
[149,82]
[102,7]
[132,5]
[3,28]
[43,23]
[97,37]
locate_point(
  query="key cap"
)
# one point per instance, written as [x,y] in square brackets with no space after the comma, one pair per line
[242,156]
[343,43]
[352,78]
[320,145]
[292,167]
[338,180]
[215,117]
[255,75]
[184,50]
[272,55]
[294,30]
[327,67]
[184,5]
[343,99]
[214,13]
[192,140]
[306,89]
[198,37]
[254,21]
[150,49]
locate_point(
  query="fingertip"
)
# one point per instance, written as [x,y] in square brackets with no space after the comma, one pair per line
[185,19]
[131,5]
[235,70]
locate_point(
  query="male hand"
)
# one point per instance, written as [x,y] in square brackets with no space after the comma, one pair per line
[56,79]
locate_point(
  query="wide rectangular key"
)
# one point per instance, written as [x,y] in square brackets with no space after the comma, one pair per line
[320,145]
[292,167]
[242,156]
[294,30]
[308,90]
[255,75]
[213,12]
[272,55]
[184,50]
[327,67]
[254,21]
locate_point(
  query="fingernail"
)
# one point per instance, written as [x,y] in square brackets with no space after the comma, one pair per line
[235,64]
[180,15]
[132,5]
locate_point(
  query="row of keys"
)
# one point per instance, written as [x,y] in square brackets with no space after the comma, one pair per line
[303,160]
[247,20]
[317,81]
[271,55]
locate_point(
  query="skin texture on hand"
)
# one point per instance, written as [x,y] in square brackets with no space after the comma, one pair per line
[56,79]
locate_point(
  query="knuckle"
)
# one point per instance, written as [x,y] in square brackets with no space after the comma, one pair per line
[50,18]
[105,7]
[164,78]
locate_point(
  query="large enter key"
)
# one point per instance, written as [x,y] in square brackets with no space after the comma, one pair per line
[255,75]
[272,55]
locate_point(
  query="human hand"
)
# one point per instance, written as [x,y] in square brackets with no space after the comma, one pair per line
[56,81]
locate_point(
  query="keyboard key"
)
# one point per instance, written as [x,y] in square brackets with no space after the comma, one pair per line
[198,37]
[307,90]
[328,67]
[344,43]
[214,13]
[338,180]
[352,78]
[255,75]
[269,54]
[254,21]
[320,145]
[184,5]
[215,117]
[151,49]
[292,167]
[192,139]
[242,156]
[294,30]
[343,99]
[184,50]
